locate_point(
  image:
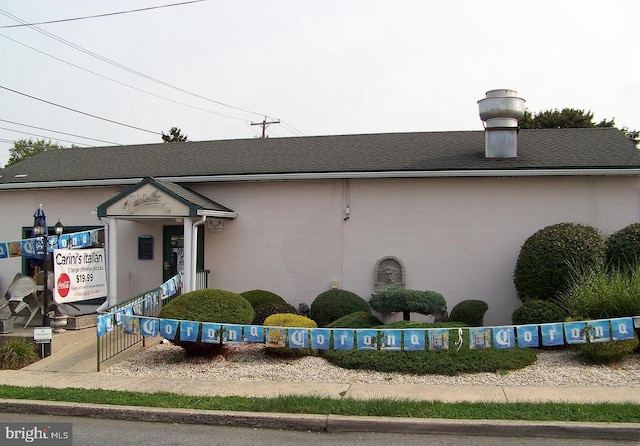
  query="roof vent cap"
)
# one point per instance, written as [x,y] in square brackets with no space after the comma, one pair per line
[501,110]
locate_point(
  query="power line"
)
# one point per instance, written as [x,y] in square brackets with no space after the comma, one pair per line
[122,83]
[101,15]
[123,67]
[45,136]
[80,112]
[62,133]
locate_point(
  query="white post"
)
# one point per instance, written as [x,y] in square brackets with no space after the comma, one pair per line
[112,271]
[189,268]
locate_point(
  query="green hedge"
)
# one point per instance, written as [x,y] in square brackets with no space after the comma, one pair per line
[334,304]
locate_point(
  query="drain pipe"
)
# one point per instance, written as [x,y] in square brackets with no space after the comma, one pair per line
[194,250]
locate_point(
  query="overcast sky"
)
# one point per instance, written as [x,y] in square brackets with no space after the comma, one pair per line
[322,67]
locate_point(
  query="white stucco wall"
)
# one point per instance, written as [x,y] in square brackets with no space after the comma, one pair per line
[458,236]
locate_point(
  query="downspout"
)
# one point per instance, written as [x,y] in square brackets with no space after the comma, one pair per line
[194,251]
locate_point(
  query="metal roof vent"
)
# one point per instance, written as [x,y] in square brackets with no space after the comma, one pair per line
[500,110]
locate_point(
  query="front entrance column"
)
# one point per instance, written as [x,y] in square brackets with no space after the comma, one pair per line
[112,265]
[189,267]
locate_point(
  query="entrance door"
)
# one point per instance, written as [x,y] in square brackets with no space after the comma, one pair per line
[173,251]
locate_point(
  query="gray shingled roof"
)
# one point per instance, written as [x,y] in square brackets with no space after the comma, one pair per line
[392,152]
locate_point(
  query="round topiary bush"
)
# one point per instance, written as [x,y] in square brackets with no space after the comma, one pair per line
[536,311]
[400,300]
[294,321]
[261,297]
[265,310]
[623,248]
[607,352]
[469,312]
[550,257]
[359,319]
[333,304]
[210,305]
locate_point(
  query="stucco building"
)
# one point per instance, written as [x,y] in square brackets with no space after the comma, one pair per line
[297,216]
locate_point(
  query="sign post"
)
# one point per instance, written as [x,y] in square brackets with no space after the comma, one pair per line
[42,336]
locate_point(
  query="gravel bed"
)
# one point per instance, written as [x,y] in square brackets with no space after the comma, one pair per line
[248,362]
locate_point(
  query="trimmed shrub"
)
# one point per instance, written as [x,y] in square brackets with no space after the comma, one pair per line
[17,353]
[395,300]
[536,311]
[333,304]
[289,320]
[265,310]
[469,312]
[607,352]
[359,319]
[261,297]
[210,305]
[425,362]
[295,321]
[623,248]
[597,293]
[550,256]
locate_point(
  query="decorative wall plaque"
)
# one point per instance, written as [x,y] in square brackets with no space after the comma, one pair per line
[389,273]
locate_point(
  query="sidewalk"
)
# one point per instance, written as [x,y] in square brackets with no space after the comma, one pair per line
[75,367]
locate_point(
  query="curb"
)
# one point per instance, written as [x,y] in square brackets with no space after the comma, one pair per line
[331,423]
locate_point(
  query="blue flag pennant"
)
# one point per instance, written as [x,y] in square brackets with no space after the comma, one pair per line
[131,320]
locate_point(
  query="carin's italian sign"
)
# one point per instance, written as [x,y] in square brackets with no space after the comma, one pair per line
[79,275]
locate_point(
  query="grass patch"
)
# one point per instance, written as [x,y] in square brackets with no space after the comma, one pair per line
[607,413]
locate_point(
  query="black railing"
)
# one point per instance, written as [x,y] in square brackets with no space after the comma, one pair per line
[116,341]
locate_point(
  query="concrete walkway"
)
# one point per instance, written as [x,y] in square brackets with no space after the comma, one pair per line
[75,367]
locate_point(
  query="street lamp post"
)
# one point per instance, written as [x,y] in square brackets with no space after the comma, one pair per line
[40,229]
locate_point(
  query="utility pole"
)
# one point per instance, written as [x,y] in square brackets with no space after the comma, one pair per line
[264,125]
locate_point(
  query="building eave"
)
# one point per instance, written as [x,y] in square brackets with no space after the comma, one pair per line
[329,176]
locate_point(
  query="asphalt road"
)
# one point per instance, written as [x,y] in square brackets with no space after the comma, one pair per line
[99,432]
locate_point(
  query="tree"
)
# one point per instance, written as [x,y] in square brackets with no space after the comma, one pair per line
[400,300]
[567,118]
[23,149]
[174,135]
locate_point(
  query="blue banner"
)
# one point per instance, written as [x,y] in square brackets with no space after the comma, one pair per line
[320,338]
[232,334]
[390,339]
[528,336]
[276,337]
[598,331]
[129,324]
[575,332]
[479,338]
[149,327]
[298,337]
[438,338]
[552,334]
[367,339]
[414,339]
[622,329]
[4,251]
[504,337]
[254,333]
[342,339]
[168,328]
[189,331]
[211,332]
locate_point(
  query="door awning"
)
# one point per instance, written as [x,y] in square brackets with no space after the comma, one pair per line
[152,198]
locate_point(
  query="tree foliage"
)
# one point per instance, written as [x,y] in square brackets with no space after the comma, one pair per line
[395,300]
[567,118]
[23,149]
[174,135]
